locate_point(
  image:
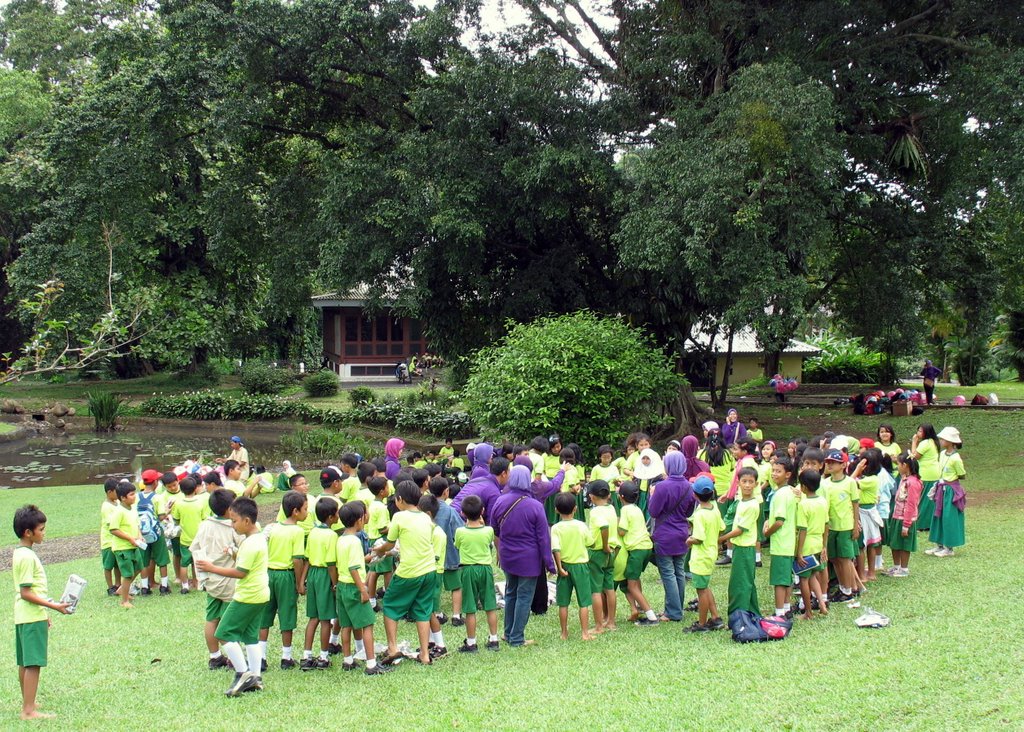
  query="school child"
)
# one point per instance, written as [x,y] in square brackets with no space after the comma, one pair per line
[416,461]
[886,491]
[189,511]
[812,458]
[780,531]
[869,466]
[429,505]
[606,469]
[742,590]
[412,588]
[300,484]
[812,535]
[572,481]
[240,624]
[31,626]
[754,430]
[604,545]
[885,440]
[111,573]
[447,452]
[703,542]
[149,507]
[233,477]
[925,448]
[209,483]
[947,528]
[722,465]
[648,470]
[350,484]
[163,504]
[743,456]
[352,597]
[569,540]
[474,542]
[321,577]
[636,541]
[901,530]
[449,521]
[843,498]
[364,472]
[216,541]
[286,571]
[376,529]
[331,480]
[457,464]
[126,541]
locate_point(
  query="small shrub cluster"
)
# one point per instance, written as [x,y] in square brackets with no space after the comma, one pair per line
[321,384]
[419,417]
[208,405]
[362,395]
[322,443]
[842,360]
[105,408]
[259,378]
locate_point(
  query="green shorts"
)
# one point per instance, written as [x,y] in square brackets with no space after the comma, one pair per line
[478,588]
[176,546]
[602,570]
[436,603]
[700,581]
[107,559]
[215,608]
[452,579]
[637,562]
[156,553]
[819,567]
[352,611]
[780,574]
[186,556]
[129,562]
[382,566]
[284,600]
[578,580]
[240,623]
[841,545]
[410,596]
[30,643]
[319,595]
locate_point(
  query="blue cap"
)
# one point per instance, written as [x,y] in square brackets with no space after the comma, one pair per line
[704,486]
[236,438]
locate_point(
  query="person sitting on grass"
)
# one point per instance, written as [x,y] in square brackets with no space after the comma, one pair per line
[352,597]
[703,542]
[240,624]
[127,543]
[31,626]
[233,477]
[474,542]
[216,541]
[569,540]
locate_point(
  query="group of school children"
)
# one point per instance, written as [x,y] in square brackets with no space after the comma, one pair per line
[372,544]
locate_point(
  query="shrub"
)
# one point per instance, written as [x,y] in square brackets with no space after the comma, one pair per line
[208,405]
[105,408]
[322,444]
[418,417]
[591,379]
[259,378]
[321,384]
[843,360]
[362,395]
[205,375]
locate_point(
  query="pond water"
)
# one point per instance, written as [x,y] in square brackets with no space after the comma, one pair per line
[83,456]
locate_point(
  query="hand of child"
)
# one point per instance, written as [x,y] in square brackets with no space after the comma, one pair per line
[801,562]
[204,565]
[722,499]
[905,532]
[562,573]
[63,608]
[140,543]
[824,557]
[364,596]
[691,541]
[856,532]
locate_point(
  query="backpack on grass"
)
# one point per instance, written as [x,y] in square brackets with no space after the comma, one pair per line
[749,627]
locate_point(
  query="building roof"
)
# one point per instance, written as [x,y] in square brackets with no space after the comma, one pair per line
[744,341]
[354,297]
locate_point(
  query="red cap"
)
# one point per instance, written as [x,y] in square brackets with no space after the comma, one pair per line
[151,476]
[867,442]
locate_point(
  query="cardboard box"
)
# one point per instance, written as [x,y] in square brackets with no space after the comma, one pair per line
[902,408]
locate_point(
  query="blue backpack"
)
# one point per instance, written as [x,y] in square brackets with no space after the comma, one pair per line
[149,527]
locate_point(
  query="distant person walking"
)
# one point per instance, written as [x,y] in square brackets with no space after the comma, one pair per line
[929,374]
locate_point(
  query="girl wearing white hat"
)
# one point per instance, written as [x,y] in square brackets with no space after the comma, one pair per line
[947,529]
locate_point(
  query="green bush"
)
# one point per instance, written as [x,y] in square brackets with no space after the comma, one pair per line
[591,379]
[418,417]
[322,444]
[259,378]
[208,405]
[203,376]
[105,408]
[321,384]
[843,360]
[362,395]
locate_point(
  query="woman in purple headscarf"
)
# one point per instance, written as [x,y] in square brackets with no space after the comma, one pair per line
[393,454]
[670,507]
[733,430]
[694,467]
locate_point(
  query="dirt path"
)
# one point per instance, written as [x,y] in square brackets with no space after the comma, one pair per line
[69,548]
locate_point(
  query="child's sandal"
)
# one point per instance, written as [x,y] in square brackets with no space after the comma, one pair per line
[391,660]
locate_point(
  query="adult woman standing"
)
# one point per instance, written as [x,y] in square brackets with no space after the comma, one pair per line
[524,550]
[670,507]
[929,375]
[393,454]
[925,449]
[733,430]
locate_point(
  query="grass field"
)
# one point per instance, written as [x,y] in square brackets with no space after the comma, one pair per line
[6,428]
[950,660]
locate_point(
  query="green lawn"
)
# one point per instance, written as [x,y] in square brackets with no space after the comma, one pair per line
[7,428]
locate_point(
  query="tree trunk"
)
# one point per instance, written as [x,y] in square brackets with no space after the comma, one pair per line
[686,411]
[718,397]
[772,363]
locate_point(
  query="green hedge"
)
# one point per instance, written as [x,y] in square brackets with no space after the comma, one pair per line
[321,384]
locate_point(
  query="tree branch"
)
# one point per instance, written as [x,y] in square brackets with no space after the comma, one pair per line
[567,32]
[600,34]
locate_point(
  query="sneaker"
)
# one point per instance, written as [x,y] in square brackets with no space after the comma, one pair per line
[263,666]
[184,590]
[466,648]
[646,622]
[933,550]
[380,593]
[458,621]
[377,608]
[378,669]
[243,682]
[723,560]
[288,663]
[441,618]
[944,552]
[758,563]
[111,592]
[696,628]
[715,624]
[841,597]
[257,686]
[333,649]
[348,666]
[438,652]
[691,606]
[219,663]
[901,572]
[788,615]
[145,591]
[321,664]
[492,645]
[307,664]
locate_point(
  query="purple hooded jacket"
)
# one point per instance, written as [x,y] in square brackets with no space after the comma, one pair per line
[524,541]
[671,504]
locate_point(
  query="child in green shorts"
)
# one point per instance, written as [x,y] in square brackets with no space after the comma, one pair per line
[812,535]
[376,530]
[111,573]
[31,626]
[474,542]
[286,569]
[707,527]
[843,496]
[321,577]
[411,592]
[569,540]
[604,545]
[742,589]
[780,531]
[636,541]
[126,541]
[429,505]
[300,484]
[353,597]
[217,541]
[240,624]
[189,511]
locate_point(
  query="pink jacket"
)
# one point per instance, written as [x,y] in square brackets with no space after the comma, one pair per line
[908,498]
